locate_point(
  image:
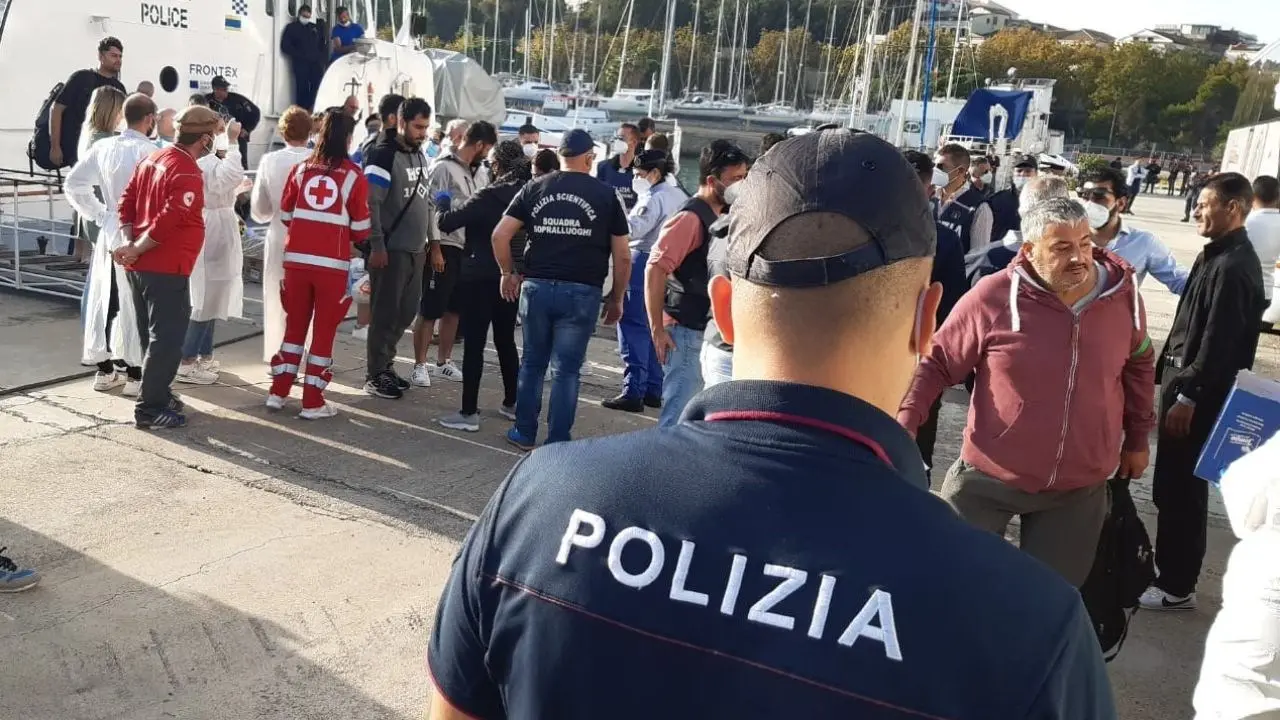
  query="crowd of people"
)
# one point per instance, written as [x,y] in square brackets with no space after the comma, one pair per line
[741,306]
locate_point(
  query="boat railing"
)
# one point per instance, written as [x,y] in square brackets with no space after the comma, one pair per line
[31,232]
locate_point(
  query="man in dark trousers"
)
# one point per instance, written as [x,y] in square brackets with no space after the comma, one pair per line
[305,42]
[69,108]
[1214,335]
[234,106]
[604,568]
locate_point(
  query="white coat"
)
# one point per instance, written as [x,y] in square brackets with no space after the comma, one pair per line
[217,280]
[108,164]
[273,173]
[1240,677]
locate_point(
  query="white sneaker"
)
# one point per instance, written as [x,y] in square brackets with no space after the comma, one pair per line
[508,411]
[421,375]
[209,364]
[1156,599]
[361,333]
[324,411]
[448,371]
[132,388]
[196,375]
[103,382]
[275,402]
[458,421]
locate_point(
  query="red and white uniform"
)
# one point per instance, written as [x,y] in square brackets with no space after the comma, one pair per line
[325,210]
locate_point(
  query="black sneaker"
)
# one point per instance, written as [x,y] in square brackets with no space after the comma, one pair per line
[400,382]
[162,420]
[625,403]
[653,401]
[384,386]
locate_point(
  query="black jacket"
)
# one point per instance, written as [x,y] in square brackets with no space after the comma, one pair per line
[479,216]
[1215,333]
[237,106]
[306,44]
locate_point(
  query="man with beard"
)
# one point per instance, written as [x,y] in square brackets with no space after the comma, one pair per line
[1105,198]
[68,112]
[401,219]
[1214,335]
[1065,371]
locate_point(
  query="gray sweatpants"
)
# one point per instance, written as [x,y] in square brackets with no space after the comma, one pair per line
[163,306]
[393,303]
[1060,529]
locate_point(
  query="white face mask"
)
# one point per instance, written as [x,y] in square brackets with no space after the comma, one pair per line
[1020,182]
[221,143]
[1099,215]
[940,178]
[307,20]
[641,185]
[731,193]
[986,178]
[619,146]
[530,149]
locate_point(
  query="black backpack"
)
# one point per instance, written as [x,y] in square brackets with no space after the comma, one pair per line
[40,144]
[1122,570]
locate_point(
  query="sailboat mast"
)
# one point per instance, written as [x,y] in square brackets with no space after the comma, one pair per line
[780,94]
[493,68]
[528,37]
[626,35]
[595,54]
[693,47]
[955,49]
[733,52]
[551,54]
[668,41]
[858,113]
[742,61]
[804,41]
[546,49]
[715,59]
[908,80]
[466,32]
[831,39]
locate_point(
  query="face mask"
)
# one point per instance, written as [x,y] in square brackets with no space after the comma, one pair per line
[307,20]
[221,143]
[345,23]
[1099,215]
[432,150]
[530,149]
[940,178]
[619,146]
[1019,183]
[641,185]
[986,178]
[731,193]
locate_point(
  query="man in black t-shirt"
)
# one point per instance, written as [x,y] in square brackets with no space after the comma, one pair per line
[574,223]
[71,105]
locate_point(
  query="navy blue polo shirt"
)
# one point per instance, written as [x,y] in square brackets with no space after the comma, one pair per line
[611,173]
[775,554]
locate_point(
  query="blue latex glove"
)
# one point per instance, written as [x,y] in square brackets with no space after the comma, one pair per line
[443,200]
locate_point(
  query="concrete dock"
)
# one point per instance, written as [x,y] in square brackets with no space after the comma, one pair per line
[253,565]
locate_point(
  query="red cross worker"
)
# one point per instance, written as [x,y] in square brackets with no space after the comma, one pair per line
[325,209]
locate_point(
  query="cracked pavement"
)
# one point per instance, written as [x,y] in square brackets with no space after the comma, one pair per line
[253,565]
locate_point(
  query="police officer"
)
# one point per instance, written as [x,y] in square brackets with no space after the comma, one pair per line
[237,107]
[963,207]
[1004,204]
[776,553]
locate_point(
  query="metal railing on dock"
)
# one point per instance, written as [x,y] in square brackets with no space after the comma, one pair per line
[32,235]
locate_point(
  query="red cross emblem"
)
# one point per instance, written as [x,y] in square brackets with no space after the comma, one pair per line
[321,192]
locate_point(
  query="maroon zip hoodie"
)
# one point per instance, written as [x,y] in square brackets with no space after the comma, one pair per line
[1057,394]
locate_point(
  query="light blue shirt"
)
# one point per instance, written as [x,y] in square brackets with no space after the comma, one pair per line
[652,210]
[1144,251]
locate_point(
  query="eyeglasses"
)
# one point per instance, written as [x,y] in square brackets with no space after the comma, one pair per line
[1095,193]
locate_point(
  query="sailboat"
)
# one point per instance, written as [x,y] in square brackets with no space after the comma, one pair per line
[637,102]
[778,113]
[705,106]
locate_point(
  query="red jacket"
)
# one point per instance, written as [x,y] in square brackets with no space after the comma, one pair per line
[165,199]
[325,210]
[1056,392]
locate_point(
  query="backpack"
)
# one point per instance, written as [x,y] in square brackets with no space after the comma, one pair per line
[1123,569]
[40,144]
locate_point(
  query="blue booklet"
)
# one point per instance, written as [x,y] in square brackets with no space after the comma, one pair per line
[1250,417]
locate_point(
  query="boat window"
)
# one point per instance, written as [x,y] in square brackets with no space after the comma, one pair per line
[168,79]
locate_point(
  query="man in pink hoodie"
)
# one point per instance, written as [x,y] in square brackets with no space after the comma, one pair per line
[1064,396]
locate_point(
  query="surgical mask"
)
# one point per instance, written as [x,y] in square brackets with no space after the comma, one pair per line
[619,146]
[307,20]
[1019,183]
[940,178]
[731,193]
[221,143]
[1099,215]
[345,23]
[432,150]
[986,178]
[641,185]
[530,149]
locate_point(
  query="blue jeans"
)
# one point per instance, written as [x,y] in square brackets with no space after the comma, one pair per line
[199,342]
[682,373]
[643,376]
[558,320]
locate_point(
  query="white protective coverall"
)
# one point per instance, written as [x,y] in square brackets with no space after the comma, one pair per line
[108,164]
[217,280]
[273,174]
[1240,677]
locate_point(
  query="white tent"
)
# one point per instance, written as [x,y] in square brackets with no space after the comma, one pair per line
[463,89]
